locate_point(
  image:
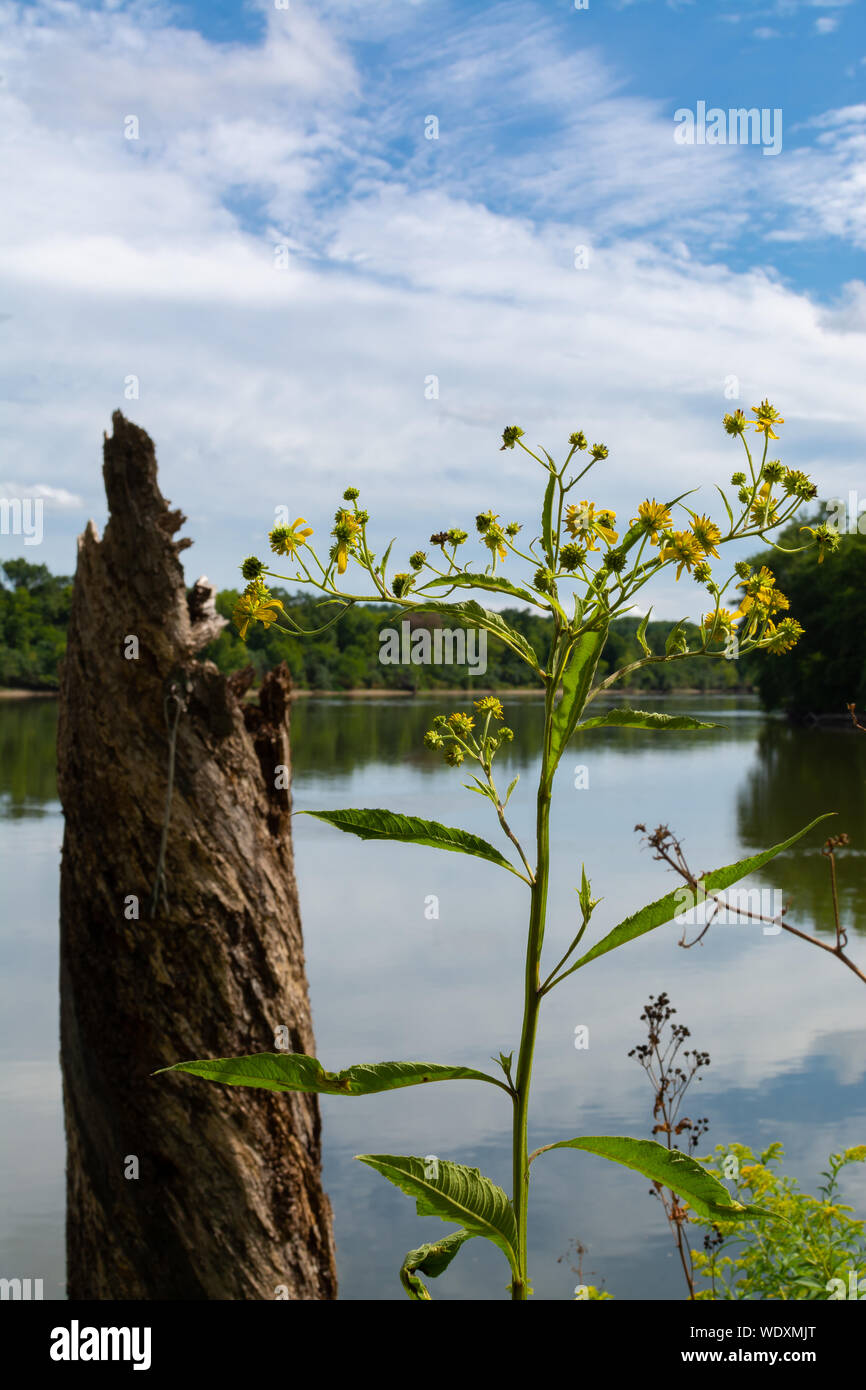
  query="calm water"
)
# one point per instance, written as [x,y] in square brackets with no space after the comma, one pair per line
[783,1022]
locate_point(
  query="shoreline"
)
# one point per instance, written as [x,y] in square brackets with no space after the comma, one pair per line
[29,694]
[381,692]
[503,692]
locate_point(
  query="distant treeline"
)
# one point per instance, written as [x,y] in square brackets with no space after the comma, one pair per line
[347,656]
[34,616]
[821,674]
[827,668]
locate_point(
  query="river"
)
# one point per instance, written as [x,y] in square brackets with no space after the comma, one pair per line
[782,1021]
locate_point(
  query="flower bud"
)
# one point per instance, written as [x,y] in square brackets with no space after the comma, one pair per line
[735,424]
[252,567]
[510,436]
[571,557]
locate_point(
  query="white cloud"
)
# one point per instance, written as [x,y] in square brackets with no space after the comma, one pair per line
[264,387]
[827,24]
[56,496]
[792,6]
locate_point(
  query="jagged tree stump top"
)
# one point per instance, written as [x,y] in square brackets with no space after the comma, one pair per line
[228,1200]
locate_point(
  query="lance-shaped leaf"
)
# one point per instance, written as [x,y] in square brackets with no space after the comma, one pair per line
[641,633]
[431,1260]
[682,1174]
[494,583]
[453,1193]
[468,613]
[576,681]
[547,517]
[624,718]
[664,909]
[385,558]
[676,640]
[370,824]
[293,1071]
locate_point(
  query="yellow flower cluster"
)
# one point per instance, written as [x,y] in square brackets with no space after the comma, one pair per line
[760,601]
[256,604]
[585,522]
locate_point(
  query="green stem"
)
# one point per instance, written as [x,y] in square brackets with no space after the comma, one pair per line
[532,1002]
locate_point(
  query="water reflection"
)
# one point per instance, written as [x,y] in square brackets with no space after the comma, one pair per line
[28,778]
[798,774]
[789,775]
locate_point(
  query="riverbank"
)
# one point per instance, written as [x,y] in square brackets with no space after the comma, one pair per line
[29,694]
[382,693]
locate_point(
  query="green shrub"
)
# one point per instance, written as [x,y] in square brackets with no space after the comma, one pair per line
[814,1249]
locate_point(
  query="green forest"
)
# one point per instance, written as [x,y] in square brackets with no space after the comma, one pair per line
[825,671]
[34,616]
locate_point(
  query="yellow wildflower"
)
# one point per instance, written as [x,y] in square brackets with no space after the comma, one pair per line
[759,585]
[782,638]
[462,722]
[763,511]
[723,621]
[683,547]
[584,522]
[827,537]
[490,703]
[256,604]
[346,532]
[768,416]
[494,539]
[655,517]
[285,540]
[707,534]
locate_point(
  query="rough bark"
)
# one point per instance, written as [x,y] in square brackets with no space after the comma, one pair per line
[228,1202]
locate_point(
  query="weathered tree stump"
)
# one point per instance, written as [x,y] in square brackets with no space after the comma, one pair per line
[227,1202]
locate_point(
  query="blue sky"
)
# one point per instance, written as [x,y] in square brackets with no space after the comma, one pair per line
[408,257]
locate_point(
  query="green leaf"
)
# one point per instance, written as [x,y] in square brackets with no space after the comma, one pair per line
[374,824]
[480,790]
[468,613]
[385,558]
[453,1193]
[496,583]
[576,681]
[511,785]
[624,718]
[293,1071]
[429,1259]
[727,506]
[676,639]
[641,634]
[682,1174]
[664,909]
[547,518]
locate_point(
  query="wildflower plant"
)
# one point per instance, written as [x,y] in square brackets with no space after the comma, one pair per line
[581,570]
[818,1250]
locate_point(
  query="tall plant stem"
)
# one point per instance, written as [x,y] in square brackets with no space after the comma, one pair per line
[532,1002]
